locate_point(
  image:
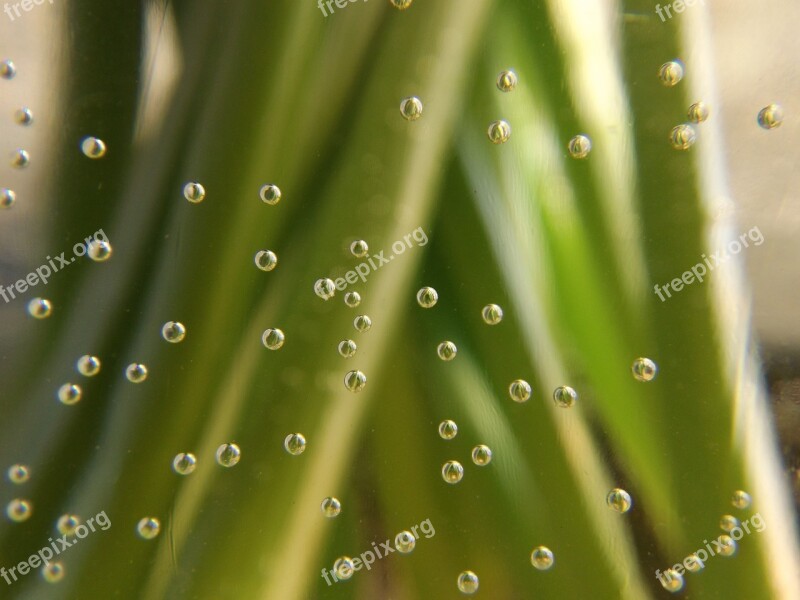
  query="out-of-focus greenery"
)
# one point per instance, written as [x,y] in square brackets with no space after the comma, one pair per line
[274,92]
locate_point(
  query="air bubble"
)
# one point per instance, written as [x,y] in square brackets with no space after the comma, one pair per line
[542,558]
[499,132]
[19,510]
[362,323]
[355,381]
[67,524]
[53,572]
[20,159]
[228,455]
[173,332]
[447,350]
[331,507]
[93,147]
[273,339]
[452,471]
[448,429]
[324,288]
[770,116]
[492,314]
[359,248]
[266,260]
[727,545]
[427,297]
[741,499]
[347,348]
[682,137]
[352,299]
[671,580]
[619,500]
[728,523]
[519,390]
[401,4]
[88,365]
[506,81]
[184,463]
[7,197]
[343,567]
[39,308]
[69,394]
[136,372]
[698,112]
[670,73]
[467,582]
[23,116]
[411,108]
[579,146]
[7,69]
[405,542]
[99,250]
[194,192]
[565,396]
[148,528]
[295,444]
[693,563]
[644,369]
[481,455]
[18,474]
[270,194]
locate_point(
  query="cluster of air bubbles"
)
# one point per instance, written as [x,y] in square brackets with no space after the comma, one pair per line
[53,572]
[427,297]
[266,260]
[671,73]
[481,455]
[194,192]
[741,499]
[359,248]
[173,332]
[67,524]
[324,288]
[405,542]
[619,500]
[644,369]
[99,250]
[93,147]
[7,69]
[770,116]
[136,372]
[362,323]
[499,132]
[88,365]
[39,308]
[352,299]
[447,350]
[228,455]
[467,582]
[542,558]
[295,444]
[671,580]
[331,507]
[579,146]
[23,116]
[401,4]
[448,429]
[728,523]
[411,108]
[492,314]
[19,510]
[347,348]
[273,339]
[519,390]
[698,112]
[7,197]
[565,396]
[355,381]
[506,81]
[452,471]
[270,194]
[69,394]
[148,528]
[682,137]
[18,474]
[184,463]
[20,158]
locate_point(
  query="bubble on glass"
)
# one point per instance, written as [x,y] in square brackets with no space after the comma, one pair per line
[295,444]
[347,348]
[136,372]
[448,429]
[771,116]
[99,250]
[499,132]
[173,332]
[447,350]
[506,81]
[359,248]
[273,339]
[331,507]
[682,137]
[727,545]
[352,299]
[467,582]
[7,197]
[492,314]
[519,390]
[481,455]
[270,194]
[452,471]
[671,580]
[69,394]
[427,297]
[579,146]
[401,4]
[228,455]
[88,365]
[266,260]
[644,369]
[619,500]
[194,192]
[53,572]
[93,147]
[698,112]
[355,381]
[542,558]
[18,474]
[362,323]
[671,73]
[693,563]
[741,499]
[19,510]
[405,542]
[39,308]
[324,288]
[565,396]
[148,528]
[67,524]
[23,116]
[20,159]
[411,108]
[728,523]
[8,69]
[184,463]
[343,567]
